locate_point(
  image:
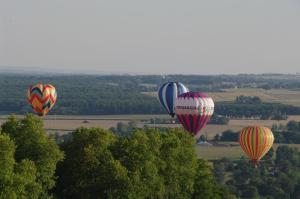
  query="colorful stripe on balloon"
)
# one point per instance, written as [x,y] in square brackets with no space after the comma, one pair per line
[256,141]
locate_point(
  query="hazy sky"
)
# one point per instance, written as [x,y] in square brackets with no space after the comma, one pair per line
[151,36]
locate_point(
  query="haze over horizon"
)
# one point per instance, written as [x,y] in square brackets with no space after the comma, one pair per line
[150,37]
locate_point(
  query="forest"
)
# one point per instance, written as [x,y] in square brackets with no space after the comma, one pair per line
[145,163]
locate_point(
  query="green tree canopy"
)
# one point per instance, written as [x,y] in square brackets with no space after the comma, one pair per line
[17,180]
[33,144]
[150,164]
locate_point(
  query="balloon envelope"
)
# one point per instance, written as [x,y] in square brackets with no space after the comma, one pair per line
[194,110]
[42,98]
[256,141]
[168,93]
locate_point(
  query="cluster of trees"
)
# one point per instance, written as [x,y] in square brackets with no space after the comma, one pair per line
[253,107]
[124,95]
[242,99]
[289,133]
[275,178]
[124,129]
[227,136]
[97,163]
[215,119]
[219,119]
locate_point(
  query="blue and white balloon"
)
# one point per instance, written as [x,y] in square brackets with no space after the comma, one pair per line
[167,94]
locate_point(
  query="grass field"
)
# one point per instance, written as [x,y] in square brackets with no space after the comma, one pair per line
[230,152]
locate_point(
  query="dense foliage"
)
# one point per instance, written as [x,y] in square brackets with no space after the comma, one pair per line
[253,107]
[28,159]
[92,95]
[148,164]
[277,178]
[100,164]
[289,133]
[139,164]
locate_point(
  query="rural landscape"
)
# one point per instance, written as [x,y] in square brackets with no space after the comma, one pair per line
[150,99]
[125,106]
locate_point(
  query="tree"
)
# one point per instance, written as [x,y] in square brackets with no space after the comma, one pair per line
[217,138]
[287,156]
[178,153]
[202,138]
[250,192]
[137,154]
[33,144]
[17,180]
[204,182]
[293,126]
[90,170]
[148,164]
[219,172]
[229,135]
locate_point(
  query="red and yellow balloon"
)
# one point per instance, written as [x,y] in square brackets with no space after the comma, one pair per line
[42,98]
[256,141]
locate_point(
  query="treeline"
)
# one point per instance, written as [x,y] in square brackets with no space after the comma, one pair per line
[215,119]
[253,107]
[96,163]
[101,95]
[277,176]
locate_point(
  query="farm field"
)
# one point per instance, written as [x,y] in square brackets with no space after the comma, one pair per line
[230,152]
[290,97]
[70,123]
[95,117]
[284,96]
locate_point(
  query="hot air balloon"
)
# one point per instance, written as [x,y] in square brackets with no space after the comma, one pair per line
[167,94]
[256,141]
[42,98]
[193,110]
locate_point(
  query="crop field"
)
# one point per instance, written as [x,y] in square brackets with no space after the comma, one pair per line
[230,152]
[70,123]
[289,97]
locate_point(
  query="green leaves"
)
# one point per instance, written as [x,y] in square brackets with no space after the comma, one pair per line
[17,180]
[100,164]
[7,161]
[148,164]
[90,169]
[31,155]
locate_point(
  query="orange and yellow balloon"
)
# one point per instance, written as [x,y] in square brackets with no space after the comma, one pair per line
[42,98]
[256,141]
